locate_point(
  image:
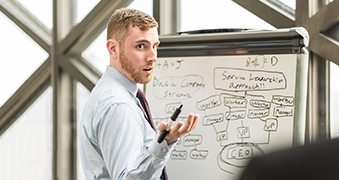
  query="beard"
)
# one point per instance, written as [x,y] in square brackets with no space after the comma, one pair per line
[134,72]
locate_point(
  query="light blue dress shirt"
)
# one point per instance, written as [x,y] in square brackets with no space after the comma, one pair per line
[117,141]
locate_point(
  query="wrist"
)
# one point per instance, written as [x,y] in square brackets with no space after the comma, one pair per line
[170,142]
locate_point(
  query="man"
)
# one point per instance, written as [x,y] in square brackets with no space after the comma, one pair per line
[118,142]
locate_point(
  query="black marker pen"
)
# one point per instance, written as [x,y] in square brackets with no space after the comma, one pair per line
[170,123]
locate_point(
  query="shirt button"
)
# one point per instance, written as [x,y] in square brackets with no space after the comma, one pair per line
[164,150]
[152,170]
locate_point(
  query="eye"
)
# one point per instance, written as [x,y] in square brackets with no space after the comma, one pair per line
[155,47]
[140,46]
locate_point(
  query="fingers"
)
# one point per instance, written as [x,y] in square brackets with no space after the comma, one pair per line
[195,121]
[191,123]
[187,126]
[162,126]
[177,127]
[181,129]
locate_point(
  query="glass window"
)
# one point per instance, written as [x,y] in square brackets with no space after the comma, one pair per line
[334,100]
[44,13]
[333,32]
[218,14]
[84,7]
[289,3]
[27,146]
[96,53]
[20,56]
[143,5]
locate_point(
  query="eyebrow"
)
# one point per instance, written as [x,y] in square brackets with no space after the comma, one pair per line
[146,41]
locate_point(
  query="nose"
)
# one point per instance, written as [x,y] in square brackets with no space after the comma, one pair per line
[152,55]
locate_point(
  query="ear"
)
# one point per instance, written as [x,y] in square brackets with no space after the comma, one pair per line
[112,47]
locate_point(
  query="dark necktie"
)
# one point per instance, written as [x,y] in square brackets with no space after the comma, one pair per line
[143,102]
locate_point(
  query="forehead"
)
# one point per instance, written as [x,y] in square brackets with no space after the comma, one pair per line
[136,35]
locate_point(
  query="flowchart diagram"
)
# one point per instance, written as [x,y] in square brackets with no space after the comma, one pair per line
[244,106]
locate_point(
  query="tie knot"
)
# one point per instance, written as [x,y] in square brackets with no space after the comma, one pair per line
[140,94]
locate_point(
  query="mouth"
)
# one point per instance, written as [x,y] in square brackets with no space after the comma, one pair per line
[148,69]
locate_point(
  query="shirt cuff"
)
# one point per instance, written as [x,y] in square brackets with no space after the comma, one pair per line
[161,150]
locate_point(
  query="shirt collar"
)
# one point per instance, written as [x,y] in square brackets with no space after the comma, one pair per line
[121,79]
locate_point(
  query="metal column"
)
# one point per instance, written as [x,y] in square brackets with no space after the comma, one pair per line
[63,96]
[167,13]
[318,120]
[319,124]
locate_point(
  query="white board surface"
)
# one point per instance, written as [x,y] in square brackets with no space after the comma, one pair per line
[246,105]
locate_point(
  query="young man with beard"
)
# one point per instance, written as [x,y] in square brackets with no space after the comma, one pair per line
[117,140]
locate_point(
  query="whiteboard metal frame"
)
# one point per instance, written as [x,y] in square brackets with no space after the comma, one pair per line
[283,41]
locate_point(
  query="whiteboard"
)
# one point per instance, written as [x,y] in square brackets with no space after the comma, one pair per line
[246,105]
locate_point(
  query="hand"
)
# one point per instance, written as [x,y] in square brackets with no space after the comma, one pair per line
[180,129]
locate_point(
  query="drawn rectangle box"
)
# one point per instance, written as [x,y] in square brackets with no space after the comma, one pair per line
[222,136]
[213,119]
[243,132]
